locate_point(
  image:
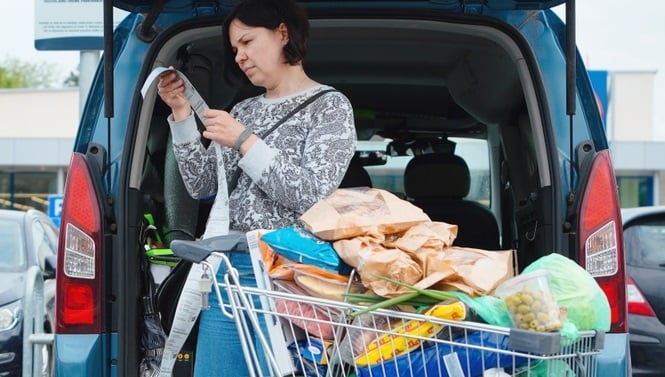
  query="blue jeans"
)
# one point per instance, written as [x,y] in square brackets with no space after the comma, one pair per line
[218,348]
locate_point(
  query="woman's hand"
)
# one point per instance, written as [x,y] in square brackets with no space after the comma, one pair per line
[224,129]
[171,90]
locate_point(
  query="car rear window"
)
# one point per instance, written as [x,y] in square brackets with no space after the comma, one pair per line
[474,152]
[644,243]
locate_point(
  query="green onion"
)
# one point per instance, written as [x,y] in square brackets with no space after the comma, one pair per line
[386,303]
[418,297]
[433,293]
[363,298]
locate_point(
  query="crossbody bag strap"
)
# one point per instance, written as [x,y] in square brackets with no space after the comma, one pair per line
[236,174]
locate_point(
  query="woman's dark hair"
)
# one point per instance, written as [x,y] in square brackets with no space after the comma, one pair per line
[268,14]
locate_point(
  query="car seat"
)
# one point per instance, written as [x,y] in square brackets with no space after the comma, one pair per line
[356,175]
[438,183]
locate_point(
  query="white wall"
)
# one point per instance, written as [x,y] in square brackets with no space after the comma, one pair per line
[632,106]
[48,113]
[38,127]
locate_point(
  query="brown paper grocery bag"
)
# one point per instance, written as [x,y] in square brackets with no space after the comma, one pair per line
[373,261]
[430,235]
[477,271]
[426,260]
[353,212]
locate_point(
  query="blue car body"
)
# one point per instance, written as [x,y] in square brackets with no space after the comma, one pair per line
[108,344]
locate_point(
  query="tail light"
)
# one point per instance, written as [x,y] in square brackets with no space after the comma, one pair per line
[637,303]
[78,297]
[601,237]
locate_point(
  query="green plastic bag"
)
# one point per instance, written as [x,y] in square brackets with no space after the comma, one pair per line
[577,291]
[491,309]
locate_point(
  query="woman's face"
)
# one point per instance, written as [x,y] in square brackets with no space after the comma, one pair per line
[259,52]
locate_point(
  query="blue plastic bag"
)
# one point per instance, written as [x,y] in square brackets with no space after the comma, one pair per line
[297,244]
[430,361]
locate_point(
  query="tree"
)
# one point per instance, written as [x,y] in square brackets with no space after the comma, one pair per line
[15,73]
[72,80]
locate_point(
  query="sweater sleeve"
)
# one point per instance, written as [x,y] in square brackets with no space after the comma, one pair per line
[197,165]
[328,147]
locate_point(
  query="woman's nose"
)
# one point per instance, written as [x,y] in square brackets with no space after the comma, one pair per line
[240,56]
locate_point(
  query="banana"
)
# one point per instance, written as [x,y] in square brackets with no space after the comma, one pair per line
[404,338]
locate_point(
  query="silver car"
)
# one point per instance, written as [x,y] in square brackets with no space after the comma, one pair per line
[28,244]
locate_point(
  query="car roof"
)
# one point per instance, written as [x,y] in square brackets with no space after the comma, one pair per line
[21,215]
[12,214]
[633,213]
[144,6]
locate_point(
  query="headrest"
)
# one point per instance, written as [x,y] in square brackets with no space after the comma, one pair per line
[436,176]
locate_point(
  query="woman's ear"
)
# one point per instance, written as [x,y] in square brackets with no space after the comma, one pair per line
[283,31]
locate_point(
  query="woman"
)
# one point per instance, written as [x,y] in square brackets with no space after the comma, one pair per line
[282,174]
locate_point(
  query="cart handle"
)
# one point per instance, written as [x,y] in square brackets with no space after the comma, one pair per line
[197,251]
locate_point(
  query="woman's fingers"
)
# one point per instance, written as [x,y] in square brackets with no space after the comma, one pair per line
[171,90]
[170,83]
[221,127]
[214,117]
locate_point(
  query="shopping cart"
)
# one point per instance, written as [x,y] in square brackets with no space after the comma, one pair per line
[299,335]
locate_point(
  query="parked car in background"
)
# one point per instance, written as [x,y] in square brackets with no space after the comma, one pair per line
[644,245]
[28,245]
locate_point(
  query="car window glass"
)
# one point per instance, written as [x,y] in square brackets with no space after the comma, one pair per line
[476,155]
[52,234]
[390,176]
[42,243]
[12,251]
[644,244]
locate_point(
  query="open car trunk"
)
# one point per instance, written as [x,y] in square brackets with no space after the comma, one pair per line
[413,84]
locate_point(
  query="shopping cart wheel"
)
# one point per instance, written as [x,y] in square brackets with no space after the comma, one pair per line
[197,251]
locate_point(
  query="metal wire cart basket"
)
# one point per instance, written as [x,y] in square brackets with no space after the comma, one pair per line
[287,333]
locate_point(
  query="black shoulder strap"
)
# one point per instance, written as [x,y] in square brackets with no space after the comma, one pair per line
[236,174]
[295,111]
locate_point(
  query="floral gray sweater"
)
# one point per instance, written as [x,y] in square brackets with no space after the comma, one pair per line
[298,164]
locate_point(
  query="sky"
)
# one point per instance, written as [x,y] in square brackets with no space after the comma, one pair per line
[611,35]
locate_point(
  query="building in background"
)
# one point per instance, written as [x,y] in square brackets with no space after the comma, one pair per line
[37,138]
[36,142]
[639,160]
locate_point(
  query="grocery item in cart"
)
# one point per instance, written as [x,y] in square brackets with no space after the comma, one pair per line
[310,356]
[530,302]
[495,372]
[472,271]
[316,320]
[354,212]
[318,285]
[430,235]
[405,336]
[468,354]
[307,317]
[475,271]
[576,290]
[297,244]
[279,267]
[379,262]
